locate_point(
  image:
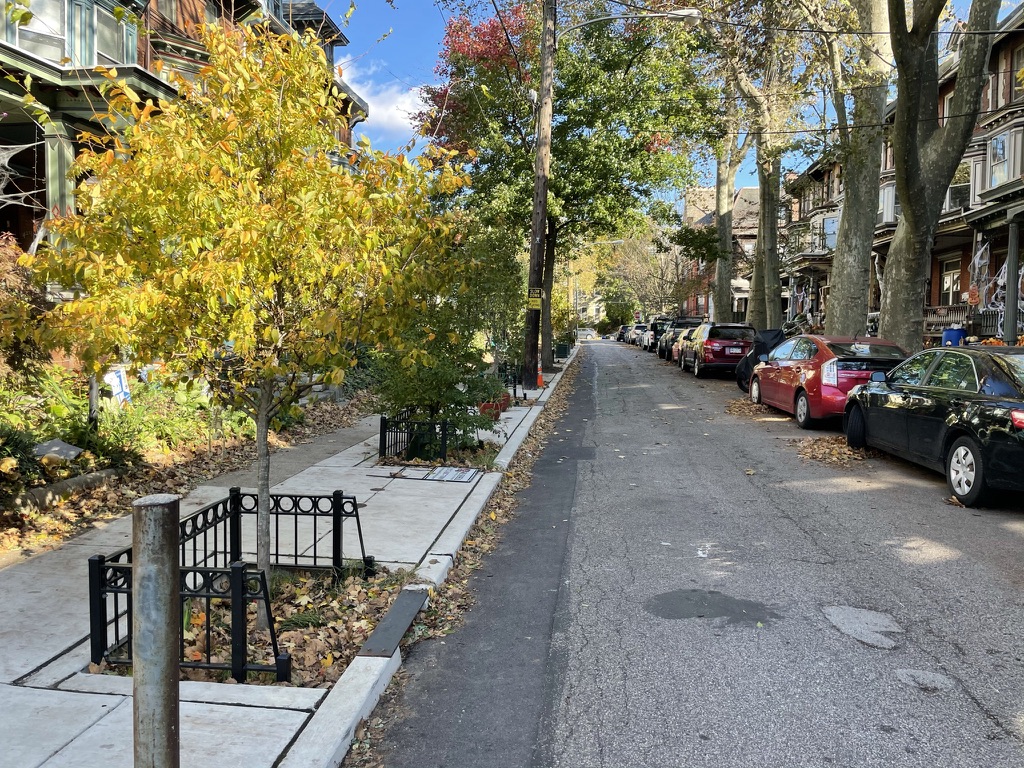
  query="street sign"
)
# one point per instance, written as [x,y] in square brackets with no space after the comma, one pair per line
[636,316]
[533,298]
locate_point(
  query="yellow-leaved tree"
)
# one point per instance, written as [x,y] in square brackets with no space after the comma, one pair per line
[221,235]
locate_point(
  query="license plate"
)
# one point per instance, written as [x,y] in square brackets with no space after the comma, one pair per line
[734,350]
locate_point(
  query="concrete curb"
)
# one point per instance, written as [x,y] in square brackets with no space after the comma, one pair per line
[515,440]
[325,740]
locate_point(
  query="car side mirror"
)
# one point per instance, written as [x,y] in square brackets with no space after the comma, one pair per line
[763,358]
[878,376]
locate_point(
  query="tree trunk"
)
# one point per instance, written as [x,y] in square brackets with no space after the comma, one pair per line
[547,349]
[904,297]
[769,175]
[263,489]
[725,188]
[927,151]
[861,156]
[755,304]
[850,280]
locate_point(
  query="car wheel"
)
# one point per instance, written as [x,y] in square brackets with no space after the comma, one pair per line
[856,428]
[698,370]
[965,472]
[755,391]
[802,411]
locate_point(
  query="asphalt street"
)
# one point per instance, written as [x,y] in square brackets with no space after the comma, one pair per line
[680,588]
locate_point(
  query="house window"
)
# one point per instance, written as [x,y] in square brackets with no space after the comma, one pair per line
[949,286]
[998,160]
[211,11]
[947,107]
[44,34]
[168,9]
[829,228]
[1016,72]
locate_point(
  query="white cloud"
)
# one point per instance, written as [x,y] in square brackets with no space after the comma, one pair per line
[392,104]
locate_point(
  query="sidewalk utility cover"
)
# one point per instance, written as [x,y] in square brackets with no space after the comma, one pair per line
[453,474]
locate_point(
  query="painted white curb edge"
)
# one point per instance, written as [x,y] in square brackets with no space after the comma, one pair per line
[325,740]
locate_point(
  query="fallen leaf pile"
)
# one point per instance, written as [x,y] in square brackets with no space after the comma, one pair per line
[742,406]
[177,472]
[833,450]
[320,624]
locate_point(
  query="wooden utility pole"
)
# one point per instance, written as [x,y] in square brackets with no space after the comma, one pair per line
[541,169]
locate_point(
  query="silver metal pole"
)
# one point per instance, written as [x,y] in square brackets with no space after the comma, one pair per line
[156,624]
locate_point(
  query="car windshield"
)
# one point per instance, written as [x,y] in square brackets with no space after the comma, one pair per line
[731,334]
[866,349]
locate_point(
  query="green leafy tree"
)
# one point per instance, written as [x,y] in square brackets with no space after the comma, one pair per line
[462,332]
[220,236]
[610,154]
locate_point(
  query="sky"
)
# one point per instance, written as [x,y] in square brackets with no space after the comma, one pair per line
[392,51]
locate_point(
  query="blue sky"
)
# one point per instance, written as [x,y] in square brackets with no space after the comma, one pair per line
[391,52]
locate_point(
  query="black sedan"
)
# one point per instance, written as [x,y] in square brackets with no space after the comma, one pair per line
[958,410]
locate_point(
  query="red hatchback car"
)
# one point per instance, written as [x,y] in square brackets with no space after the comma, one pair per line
[716,346]
[809,375]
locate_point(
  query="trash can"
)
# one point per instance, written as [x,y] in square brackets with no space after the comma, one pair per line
[561,349]
[954,337]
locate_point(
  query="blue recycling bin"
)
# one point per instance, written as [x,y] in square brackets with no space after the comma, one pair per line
[954,337]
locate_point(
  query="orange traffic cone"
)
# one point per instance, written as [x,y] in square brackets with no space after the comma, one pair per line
[540,377]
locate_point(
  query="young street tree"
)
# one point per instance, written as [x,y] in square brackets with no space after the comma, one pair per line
[219,236]
[927,151]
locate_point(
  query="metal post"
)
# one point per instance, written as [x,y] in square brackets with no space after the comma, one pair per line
[239,623]
[156,627]
[97,610]
[382,443]
[235,523]
[1012,283]
[94,405]
[337,520]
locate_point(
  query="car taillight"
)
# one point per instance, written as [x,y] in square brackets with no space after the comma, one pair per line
[1017,417]
[830,373]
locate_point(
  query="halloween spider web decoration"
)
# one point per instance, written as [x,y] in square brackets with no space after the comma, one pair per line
[26,198]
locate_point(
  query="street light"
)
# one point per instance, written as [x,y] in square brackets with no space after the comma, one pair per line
[542,163]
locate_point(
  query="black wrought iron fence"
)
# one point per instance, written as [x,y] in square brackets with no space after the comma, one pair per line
[409,435]
[216,619]
[307,532]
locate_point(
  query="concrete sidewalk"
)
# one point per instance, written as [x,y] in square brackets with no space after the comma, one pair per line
[56,714]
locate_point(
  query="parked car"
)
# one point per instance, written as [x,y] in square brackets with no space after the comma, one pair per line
[664,346]
[809,375]
[680,343]
[635,332]
[585,333]
[717,346]
[764,342]
[957,410]
[620,335]
[672,332]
